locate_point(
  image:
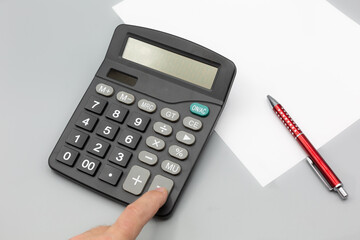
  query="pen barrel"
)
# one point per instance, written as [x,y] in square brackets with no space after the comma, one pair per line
[287,120]
[319,162]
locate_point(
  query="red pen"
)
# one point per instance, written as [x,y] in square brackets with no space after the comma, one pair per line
[315,160]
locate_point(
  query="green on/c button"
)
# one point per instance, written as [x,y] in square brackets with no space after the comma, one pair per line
[199,109]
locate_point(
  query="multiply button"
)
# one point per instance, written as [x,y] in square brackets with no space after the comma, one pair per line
[146,105]
[169,114]
[136,180]
[155,143]
[104,89]
[192,123]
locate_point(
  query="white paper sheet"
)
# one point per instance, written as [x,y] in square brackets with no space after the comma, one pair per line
[306,54]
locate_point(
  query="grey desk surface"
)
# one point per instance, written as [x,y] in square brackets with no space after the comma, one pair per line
[50,50]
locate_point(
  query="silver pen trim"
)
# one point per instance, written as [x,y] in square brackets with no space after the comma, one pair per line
[312,165]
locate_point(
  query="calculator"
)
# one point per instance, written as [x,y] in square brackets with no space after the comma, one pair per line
[146,116]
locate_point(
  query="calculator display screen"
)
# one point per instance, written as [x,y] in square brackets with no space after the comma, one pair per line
[170,63]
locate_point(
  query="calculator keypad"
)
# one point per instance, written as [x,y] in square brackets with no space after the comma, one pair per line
[119,144]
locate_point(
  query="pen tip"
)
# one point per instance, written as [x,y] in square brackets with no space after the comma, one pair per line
[272,101]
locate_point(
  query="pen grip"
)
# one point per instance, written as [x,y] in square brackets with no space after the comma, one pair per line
[287,120]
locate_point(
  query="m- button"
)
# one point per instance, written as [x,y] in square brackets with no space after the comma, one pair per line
[192,123]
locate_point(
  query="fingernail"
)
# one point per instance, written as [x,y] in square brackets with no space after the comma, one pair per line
[161,189]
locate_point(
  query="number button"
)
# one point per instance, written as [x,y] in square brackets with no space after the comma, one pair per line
[77,139]
[117,113]
[88,165]
[129,138]
[86,121]
[110,175]
[120,157]
[107,130]
[138,121]
[98,147]
[96,105]
[67,156]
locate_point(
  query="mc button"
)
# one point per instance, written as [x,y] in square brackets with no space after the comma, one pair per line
[192,123]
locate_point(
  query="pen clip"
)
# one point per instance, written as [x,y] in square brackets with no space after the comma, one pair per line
[312,165]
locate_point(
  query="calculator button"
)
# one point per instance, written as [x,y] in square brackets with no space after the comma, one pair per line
[162,128]
[169,114]
[129,138]
[86,121]
[147,106]
[136,180]
[77,139]
[110,175]
[117,113]
[186,138]
[178,152]
[155,143]
[88,165]
[104,89]
[107,130]
[120,157]
[171,167]
[125,97]
[98,147]
[161,181]
[148,158]
[199,109]
[138,121]
[67,156]
[192,123]
[96,105]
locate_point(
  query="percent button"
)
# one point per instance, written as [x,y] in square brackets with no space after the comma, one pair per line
[178,152]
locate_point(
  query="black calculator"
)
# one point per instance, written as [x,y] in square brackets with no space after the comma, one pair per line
[145,117]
